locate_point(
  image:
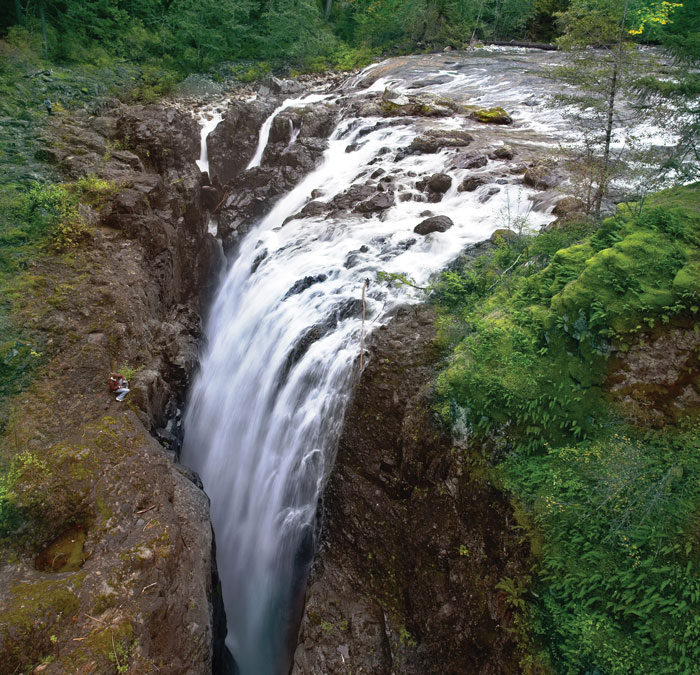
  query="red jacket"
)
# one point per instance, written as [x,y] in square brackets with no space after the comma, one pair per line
[116,382]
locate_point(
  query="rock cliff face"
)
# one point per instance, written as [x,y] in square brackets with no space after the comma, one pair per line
[298,138]
[109,561]
[413,542]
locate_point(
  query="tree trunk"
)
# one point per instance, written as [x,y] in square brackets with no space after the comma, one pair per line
[42,16]
[603,178]
[612,93]
[329,7]
[18,10]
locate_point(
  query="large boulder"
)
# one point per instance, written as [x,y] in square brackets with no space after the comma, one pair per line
[439,182]
[433,224]
[436,139]
[491,116]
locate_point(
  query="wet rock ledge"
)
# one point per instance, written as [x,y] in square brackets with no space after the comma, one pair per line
[413,543]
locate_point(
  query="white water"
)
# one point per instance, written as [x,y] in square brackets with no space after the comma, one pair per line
[208,122]
[261,435]
[264,414]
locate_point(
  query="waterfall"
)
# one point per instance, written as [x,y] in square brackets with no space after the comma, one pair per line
[293,133]
[208,122]
[267,406]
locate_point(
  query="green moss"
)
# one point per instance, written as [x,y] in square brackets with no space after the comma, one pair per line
[35,612]
[610,510]
[491,116]
[64,554]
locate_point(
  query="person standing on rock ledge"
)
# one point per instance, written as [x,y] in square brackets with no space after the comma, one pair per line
[118,385]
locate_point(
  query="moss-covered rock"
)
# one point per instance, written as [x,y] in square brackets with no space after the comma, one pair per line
[491,116]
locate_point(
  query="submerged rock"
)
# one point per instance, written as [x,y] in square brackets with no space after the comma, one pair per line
[439,182]
[378,202]
[471,183]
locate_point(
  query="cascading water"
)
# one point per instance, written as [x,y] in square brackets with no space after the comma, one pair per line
[284,335]
[209,120]
[267,406]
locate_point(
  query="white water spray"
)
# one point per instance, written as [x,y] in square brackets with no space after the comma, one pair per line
[267,125]
[267,406]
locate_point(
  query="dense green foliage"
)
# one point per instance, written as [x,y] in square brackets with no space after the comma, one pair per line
[534,343]
[193,35]
[530,327]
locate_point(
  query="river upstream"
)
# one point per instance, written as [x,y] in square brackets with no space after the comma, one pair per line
[285,330]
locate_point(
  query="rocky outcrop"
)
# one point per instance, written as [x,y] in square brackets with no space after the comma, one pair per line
[298,138]
[138,589]
[232,144]
[413,543]
[657,380]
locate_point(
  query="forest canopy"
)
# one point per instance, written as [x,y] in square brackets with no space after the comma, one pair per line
[196,35]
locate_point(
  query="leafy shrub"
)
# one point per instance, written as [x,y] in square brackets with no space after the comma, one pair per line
[535,339]
[620,579]
[611,508]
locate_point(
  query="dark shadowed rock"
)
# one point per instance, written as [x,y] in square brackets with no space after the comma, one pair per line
[378,202]
[346,200]
[434,224]
[301,285]
[439,182]
[471,183]
[311,210]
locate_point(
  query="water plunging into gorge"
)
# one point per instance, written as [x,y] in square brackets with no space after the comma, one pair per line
[284,331]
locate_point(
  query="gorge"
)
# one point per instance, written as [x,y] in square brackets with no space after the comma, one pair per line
[312,276]
[292,273]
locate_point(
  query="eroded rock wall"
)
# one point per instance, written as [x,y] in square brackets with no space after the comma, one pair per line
[413,542]
[143,591]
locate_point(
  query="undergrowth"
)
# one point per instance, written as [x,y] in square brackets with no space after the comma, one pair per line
[530,328]
[36,220]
